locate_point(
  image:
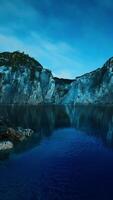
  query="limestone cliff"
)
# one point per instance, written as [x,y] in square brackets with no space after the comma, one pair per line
[23,80]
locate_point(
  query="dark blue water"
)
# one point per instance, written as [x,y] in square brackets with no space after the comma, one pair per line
[70,156]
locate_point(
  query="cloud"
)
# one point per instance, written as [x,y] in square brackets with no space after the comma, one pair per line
[18,32]
[18,17]
[51,55]
[69,39]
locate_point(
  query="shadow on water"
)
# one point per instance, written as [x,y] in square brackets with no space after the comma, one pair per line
[93,120]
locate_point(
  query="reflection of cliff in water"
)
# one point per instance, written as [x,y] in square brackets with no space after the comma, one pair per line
[97,121]
[93,120]
[42,119]
[36,117]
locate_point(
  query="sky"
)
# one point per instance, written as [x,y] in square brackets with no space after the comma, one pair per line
[69,37]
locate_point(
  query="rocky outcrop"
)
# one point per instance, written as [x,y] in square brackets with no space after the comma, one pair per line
[23,80]
[15,135]
[9,137]
[6,145]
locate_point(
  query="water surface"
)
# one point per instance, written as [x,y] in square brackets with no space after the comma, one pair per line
[69,157]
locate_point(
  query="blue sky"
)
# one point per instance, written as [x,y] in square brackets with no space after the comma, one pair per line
[70,37]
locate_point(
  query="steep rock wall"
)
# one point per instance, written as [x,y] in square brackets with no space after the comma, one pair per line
[23,80]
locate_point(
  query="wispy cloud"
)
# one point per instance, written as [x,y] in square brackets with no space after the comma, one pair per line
[68,37]
[51,55]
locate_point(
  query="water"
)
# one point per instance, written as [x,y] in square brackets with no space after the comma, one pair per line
[69,157]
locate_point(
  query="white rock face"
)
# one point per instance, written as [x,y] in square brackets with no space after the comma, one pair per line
[27,82]
[6,145]
[92,88]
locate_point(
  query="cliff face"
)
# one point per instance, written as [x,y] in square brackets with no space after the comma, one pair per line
[94,87]
[23,80]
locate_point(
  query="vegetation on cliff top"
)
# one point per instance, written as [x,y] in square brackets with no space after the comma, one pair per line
[17,59]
